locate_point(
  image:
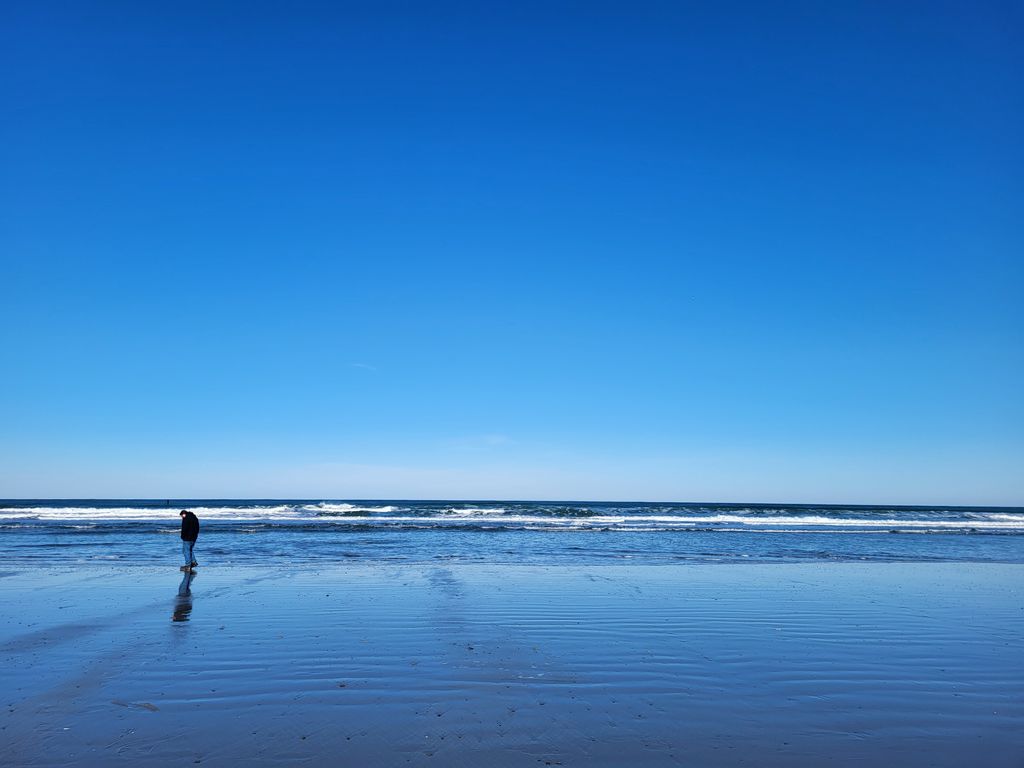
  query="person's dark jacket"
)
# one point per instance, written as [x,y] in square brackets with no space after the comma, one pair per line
[189,527]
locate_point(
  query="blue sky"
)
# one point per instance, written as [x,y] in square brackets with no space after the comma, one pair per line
[718,251]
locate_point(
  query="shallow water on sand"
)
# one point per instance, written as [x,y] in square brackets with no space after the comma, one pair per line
[908,664]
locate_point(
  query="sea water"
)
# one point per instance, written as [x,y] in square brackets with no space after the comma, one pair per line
[297,532]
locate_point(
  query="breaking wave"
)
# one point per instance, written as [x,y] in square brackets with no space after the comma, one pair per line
[530,515]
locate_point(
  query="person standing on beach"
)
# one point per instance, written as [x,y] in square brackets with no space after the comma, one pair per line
[189,534]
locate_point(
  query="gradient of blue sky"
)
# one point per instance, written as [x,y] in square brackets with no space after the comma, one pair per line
[716,251]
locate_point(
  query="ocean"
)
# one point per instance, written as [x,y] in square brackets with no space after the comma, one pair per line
[299,532]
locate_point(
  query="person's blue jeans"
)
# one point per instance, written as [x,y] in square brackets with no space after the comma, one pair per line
[186,551]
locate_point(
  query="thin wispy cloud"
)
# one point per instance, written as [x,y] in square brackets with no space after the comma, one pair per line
[479,442]
[364,366]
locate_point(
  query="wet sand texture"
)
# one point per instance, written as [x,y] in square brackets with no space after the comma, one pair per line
[470,665]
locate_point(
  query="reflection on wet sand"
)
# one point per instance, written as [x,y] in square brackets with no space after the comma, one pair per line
[183,602]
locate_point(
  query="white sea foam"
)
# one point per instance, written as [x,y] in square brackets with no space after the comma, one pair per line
[325,507]
[282,512]
[655,522]
[345,513]
[474,511]
[113,514]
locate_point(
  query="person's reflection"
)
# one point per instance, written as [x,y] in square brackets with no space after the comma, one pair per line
[183,602]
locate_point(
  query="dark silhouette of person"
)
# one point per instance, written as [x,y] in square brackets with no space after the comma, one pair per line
[183,603]
[189,534]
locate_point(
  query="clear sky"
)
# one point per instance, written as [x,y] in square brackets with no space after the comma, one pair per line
[655,251]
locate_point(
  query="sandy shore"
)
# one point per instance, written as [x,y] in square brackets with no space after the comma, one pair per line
[698,665]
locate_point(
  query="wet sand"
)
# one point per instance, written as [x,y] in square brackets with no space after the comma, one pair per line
[910,664]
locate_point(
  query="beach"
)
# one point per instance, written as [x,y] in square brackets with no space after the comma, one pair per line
[512,385]
[504,664]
